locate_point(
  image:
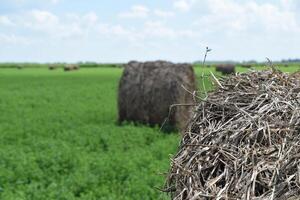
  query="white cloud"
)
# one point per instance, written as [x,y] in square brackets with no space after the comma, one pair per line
[24,2]
[141,11]
[234,29]
[54,1]
[42,23]
[163,13]
[150,31]
[158,29]
[113,30]
[182,5]
[136,11]
[13,39]
[91,18]
[66,26]
[231,16]
[248,30]
[276,19]
[291,4]
[44,17]
[40,20]
[4,20]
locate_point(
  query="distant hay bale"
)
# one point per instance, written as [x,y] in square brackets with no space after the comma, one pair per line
[52,67]
[243,142]
[226,69]
[71,68]
[147,90]
[68,68]
[76,67]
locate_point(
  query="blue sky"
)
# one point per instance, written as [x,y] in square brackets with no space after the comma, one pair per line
[123,30]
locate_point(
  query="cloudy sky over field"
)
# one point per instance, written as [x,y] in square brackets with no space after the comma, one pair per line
[122,30]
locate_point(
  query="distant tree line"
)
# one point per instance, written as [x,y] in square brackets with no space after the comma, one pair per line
[58,65]
[297,60]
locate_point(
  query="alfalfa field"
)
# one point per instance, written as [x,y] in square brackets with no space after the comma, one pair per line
[59,138]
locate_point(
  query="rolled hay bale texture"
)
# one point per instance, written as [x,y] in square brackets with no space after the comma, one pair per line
[243,141]
[226,69]
[147,90]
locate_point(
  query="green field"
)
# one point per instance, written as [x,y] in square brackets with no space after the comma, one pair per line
[59,139]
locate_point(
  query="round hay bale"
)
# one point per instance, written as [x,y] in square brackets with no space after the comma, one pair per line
[75,67]
[226,69]
[147,90]
[52,67]
[71,68]
[243,141]
[67,68]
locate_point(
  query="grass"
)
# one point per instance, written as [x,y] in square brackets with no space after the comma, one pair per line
[59,139]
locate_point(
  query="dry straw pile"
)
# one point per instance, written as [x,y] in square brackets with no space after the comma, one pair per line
[243,141]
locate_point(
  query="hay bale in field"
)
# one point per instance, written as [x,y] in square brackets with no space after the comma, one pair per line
[226,69]
[243,141]
[52,67]
[147,90]
[76,67]
[68,68]
[71,67]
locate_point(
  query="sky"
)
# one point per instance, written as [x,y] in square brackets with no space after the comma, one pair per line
[123,30]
